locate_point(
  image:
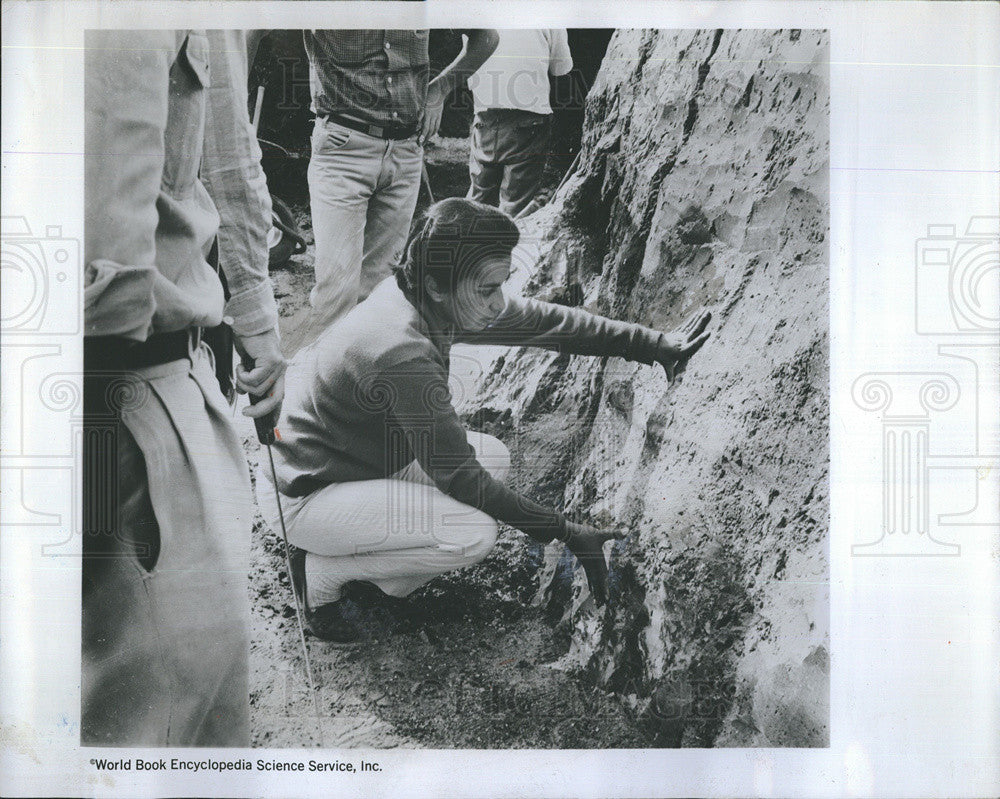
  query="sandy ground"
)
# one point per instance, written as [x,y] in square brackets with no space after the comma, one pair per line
[465,662]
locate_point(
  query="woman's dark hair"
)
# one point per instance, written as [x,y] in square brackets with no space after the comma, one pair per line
[449,240]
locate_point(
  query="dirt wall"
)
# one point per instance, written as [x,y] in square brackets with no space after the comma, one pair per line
[702,182]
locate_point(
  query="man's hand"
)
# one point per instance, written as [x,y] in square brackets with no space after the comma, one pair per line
[677,347]
[433,112]
[477,46]
[587,544]
[267,378]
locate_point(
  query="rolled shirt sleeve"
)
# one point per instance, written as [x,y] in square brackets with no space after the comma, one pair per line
[560,58]
[126,84]
[232,174]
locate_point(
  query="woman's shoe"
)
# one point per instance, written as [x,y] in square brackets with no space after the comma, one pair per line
[326,622]
[366,594]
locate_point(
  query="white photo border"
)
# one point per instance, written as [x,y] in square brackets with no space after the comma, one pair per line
[915,647]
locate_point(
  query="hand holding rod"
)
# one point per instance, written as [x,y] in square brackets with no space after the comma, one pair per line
[265,424]
[266,435]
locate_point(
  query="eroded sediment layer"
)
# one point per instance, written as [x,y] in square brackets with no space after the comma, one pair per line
[702,182]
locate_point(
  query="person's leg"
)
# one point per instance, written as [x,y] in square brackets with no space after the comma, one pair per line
[342,175]
[390,210]
[484,173]
[525,152]
[396,533]
[165,613]
[125,693]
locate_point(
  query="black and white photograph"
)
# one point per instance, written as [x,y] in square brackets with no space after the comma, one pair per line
[432,410]
[540,392]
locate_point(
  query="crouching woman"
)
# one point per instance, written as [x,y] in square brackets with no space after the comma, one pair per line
[380,482]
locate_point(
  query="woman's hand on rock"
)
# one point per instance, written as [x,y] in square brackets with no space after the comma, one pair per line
[587,544]
[677,347]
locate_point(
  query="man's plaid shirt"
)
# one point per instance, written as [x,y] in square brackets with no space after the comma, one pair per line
[375,76]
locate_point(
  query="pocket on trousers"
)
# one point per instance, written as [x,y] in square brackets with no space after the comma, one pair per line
[333,136]
[531,138]
[140,527]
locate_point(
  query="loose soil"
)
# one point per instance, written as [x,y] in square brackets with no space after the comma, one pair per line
[465,662]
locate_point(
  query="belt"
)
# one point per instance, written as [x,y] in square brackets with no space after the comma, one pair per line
[511,116]
[117,353]
[378,131]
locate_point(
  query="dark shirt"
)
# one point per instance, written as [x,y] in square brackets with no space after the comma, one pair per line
[371,394]
[375,76]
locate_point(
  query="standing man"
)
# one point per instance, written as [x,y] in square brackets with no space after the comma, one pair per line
[513,120]
[166,503]
[375,109]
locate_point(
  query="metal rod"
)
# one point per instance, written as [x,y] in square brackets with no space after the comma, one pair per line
[257,109]
[299,614]
[427,181]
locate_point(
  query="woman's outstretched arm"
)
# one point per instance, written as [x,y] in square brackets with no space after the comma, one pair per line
[532,323]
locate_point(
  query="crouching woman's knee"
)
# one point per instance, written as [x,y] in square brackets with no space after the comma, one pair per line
[479,543]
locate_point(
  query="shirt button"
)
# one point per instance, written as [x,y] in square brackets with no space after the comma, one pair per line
[395,115]
[389,80]
[387,45]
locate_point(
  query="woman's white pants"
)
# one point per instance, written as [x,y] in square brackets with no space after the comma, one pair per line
[397,533]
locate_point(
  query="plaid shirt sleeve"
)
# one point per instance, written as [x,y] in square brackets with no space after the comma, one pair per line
[232,173]
[125,122]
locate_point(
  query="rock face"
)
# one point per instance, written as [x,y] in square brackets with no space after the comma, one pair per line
[702,182]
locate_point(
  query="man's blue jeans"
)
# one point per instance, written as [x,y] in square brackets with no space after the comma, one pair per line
[363,191]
